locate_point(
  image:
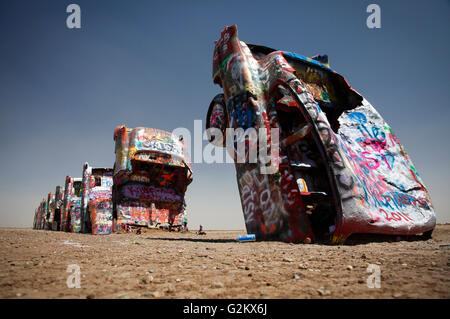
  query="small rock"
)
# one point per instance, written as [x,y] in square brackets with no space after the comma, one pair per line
[246,268]
[288,260]
[26,265]
[389,282]
[360,281]
[156,294]
[147,294]
[296,276]
[18,294]
[302,266]
[147,279]
[404,265]
[433,263]
[91,296]
[323,292]
[397,295]
[262,293]
[151,271]
[363,256]
[204,266]
[349,267]
[218,284]
[178,280]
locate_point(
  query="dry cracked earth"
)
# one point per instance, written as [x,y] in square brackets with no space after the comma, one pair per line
[161,264]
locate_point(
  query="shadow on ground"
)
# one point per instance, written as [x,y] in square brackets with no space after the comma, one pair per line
[198,240]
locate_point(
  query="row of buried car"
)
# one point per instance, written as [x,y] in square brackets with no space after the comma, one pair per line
[146,187]
[339,168]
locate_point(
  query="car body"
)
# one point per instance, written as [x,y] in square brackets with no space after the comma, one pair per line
[151,175]
[96,204]
[348,174]
[72,199]
[50,212]
[58,206]
[39,217]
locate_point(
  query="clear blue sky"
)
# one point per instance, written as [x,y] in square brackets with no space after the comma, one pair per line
[148,63]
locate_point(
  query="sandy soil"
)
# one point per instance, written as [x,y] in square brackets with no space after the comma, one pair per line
[159,264]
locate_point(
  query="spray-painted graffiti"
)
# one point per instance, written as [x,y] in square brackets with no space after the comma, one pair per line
[96,193]
[101,215]
[40,215]
[135,211]
[147,144]
[149,192]
[75,216]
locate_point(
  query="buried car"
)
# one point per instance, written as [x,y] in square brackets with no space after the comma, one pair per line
[151,175]
[59,200]
[70,214]
[39,217]
[340,168]
[96,203]
[49,211]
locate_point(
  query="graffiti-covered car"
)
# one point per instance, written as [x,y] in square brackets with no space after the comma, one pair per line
[340,168]
[43,214]
[58,206]
[151,175]
[39,217]
[70,213]
[96,200]
[50,212]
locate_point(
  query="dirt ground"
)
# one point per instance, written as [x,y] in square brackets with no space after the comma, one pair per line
[161,264]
